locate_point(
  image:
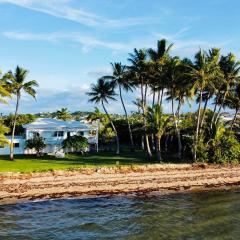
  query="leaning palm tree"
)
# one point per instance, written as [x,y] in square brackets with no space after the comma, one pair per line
[102,92]
[16,84]
[120,79]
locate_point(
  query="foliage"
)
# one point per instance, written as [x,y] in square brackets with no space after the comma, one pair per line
[22,119]
[76,142]
[3,131]
[36,143]
[63,114]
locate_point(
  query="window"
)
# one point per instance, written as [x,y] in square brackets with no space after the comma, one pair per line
[16,145]
[58,134]
[81,133]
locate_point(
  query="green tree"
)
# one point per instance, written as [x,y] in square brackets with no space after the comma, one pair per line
[16,83]
[120,79]
[102,92]
[63,114]
[75,142]
[157,123]
[139,71]
[36,143]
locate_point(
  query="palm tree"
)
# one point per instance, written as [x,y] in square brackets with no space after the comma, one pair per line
[202,73]
[158,123]
[16,83]
[211,88]
[102,92]
[230,68]
[120,79]
[173,75]
[139,71]
[63,114]
[158,58]
[233,102]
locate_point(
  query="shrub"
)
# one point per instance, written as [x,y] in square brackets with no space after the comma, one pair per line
[36,143]
[76,142]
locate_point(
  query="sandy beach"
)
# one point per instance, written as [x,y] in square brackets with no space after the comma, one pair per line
[162,178]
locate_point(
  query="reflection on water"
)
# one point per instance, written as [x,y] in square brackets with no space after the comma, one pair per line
[181,216]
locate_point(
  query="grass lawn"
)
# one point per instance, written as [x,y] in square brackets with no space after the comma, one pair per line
[32,163]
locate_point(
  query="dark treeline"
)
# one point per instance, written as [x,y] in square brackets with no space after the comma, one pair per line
[210,81]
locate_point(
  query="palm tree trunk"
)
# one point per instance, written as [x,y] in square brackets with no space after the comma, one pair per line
[158,97]
[114,129]
[213,116]
[153,100]
[158,150]
[126,115]
[234,119]
[204,112]
[144,121]
[161,98]
[177,131]
[220,108]
[197,128]
[14,127]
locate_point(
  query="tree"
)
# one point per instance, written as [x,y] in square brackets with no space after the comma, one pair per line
[230,68]
[63,114]
[202,73]
[172,77]
[102,92]
[157,123]
[120,79]
[16,84]
[158,58]
[139,71]
[75,142]
[36,143]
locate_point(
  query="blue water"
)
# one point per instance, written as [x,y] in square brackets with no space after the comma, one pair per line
[213,215]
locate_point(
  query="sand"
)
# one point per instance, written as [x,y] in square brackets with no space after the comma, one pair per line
[161,178]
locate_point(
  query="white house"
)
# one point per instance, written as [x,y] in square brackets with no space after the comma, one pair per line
[53,132]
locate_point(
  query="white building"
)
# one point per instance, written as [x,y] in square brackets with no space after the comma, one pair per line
[53,132]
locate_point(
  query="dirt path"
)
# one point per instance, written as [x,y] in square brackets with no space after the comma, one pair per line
[16,187]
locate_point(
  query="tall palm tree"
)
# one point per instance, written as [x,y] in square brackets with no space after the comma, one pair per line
[213,57]
[102,92]
[202,73]
[17,84]
[173,75]
[139,71]
[120,79]
[158,58]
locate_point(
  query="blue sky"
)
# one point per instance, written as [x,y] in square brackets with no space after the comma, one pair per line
[68,44]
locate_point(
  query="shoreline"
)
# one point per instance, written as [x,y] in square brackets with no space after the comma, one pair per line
[133,180]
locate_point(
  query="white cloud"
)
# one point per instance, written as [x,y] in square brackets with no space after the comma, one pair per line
[62,9]
[87,42]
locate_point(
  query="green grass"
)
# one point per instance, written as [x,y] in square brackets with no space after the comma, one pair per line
[26,163]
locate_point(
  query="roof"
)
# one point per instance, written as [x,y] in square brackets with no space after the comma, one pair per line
[52,123]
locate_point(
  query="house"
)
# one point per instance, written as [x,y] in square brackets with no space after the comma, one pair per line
[53,132]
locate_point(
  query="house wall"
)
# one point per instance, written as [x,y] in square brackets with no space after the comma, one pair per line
[53,142]
[17,150]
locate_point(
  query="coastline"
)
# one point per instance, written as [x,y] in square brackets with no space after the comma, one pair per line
[87,182]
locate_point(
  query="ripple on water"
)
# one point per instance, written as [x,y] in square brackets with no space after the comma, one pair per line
[213,215]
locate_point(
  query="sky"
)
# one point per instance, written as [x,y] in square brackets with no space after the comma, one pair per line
[68,44]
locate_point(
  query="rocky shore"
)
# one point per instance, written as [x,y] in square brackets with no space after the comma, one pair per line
[162,178]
